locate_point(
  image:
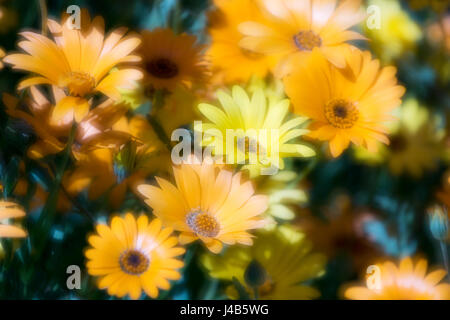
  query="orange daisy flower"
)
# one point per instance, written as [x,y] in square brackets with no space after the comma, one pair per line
[225,52]
[295,28]
[405,282]
[207,203]
[345,106]
[133,255]
[81,61]
[170,59]
[52,120]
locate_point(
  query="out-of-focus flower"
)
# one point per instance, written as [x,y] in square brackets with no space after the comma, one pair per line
[81,60]
[39,194]
[133,255]
[151,155]
[133,98]
[10,210]
[52,121]
[439,33]
[117,169]
[207,203]
[416,142]
[351,107]
[179,109]
[225,52]
[408,281]
[444,194]
[273,88]
[397,34]
[2,54]
[283,196]
[439,222]
[170,60]
[285,257]
[8,19]
[341,230]
[260,130]
[294,29]
[437,5]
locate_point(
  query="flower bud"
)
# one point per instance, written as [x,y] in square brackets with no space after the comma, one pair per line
[439,224]
[255,275]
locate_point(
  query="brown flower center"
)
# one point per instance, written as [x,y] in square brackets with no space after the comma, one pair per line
[134,262]
[307,40]
[162,68]
[341,113]
[398,143]
[203,224]
[79,83]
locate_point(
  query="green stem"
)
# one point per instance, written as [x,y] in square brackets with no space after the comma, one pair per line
[157,104]
[176,18]
[48,212]
[311,165]
[44,14]
[75,203]
[256,293]
[159,130]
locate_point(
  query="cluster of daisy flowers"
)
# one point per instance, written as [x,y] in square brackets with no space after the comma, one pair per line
[284,66]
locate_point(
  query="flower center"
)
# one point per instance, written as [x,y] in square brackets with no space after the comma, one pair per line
[341,113]
[307,40]
[79,83]
[162,68]
[398,143]
[134,262]
[203,224]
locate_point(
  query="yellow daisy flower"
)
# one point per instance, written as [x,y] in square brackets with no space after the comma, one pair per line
[10,210]
[133,255]
[282,260]
[416,144]
[207,203]
[225,53]
[170,60]
[295,28]
[179,109]
[261,134]
[405,282]
[81,60]
[349,106]
[398,33]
